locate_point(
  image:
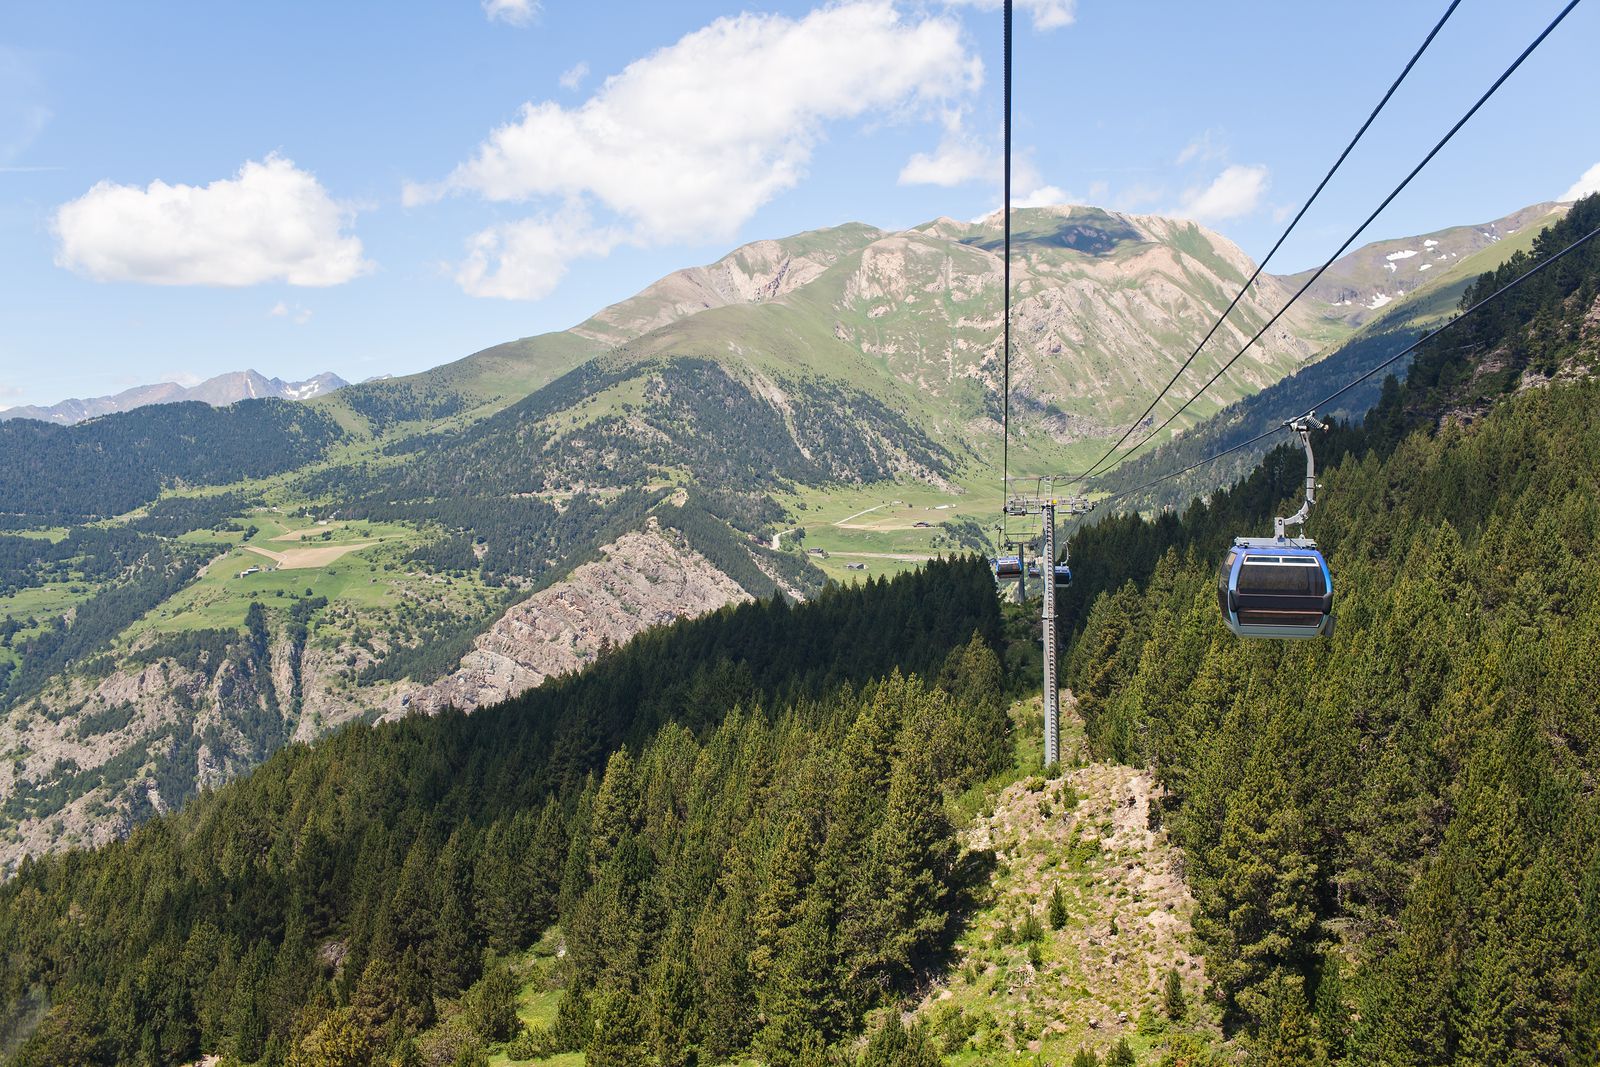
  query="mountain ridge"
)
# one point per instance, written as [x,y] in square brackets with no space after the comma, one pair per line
[219,391]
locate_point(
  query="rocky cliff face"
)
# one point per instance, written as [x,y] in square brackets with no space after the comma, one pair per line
[643,579]
[102,753]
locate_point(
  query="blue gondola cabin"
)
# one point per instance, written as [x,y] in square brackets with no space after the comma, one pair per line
[1276,588]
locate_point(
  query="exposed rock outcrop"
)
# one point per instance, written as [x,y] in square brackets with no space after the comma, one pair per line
[643,579]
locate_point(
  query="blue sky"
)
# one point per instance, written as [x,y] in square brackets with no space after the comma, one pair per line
[379,188]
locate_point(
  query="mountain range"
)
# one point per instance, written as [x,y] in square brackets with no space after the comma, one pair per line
[218,391]
[809,408]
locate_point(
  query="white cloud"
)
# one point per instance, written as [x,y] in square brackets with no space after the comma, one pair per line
[690,141]
[1042,196]
[955,162]
[298,314]
[515,12]
[1584,186]
[270,222]
[1046,14]
[573,76]
[1236,191]
[525,260]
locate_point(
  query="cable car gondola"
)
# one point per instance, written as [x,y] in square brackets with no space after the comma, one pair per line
[1280,586]
[1005,567]
[1063,573]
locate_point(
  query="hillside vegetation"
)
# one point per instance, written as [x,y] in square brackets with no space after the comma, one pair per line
[347,892]
[1393,835]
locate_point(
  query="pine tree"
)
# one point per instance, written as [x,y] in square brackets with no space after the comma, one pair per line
[1121,1054]
[1331,1011]
[338,1041]
[973,678]
[908,878]
[895,1045]
[1085,1057]
[721,952]
[1058,908]
[249,1020]
[1285,1038]
[1258,915]
[543,865]
[673,1024]
[799,998]
[492,1004]
[574,1025]
[616,810]
[1172,998]
[618,1039]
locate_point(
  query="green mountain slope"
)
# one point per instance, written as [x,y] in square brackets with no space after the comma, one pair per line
[1385,334]
[1391,833]
[1384,828]
[349,888]
[451,538]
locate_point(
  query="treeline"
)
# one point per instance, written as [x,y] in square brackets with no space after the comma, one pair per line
[385,403]
[741,559]
[1253,415]
[113,464]
[761,890]
[353,886]
[1542,326]
[1110,548]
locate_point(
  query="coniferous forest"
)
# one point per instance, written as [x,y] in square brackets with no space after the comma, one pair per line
[737,821]
[1394,835]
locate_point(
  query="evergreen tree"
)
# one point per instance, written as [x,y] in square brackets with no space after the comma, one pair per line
[492,1004]
[895,1045]
[338,1041]
[1121,1054]
[1172,998]
[673,1030]
[619,1035]
[1259,914]
[574,1025]
[908,882]
[1285,1038]
[1058,908]
[1332,1013]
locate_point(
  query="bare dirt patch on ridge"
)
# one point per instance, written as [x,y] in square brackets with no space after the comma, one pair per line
[1100,975]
